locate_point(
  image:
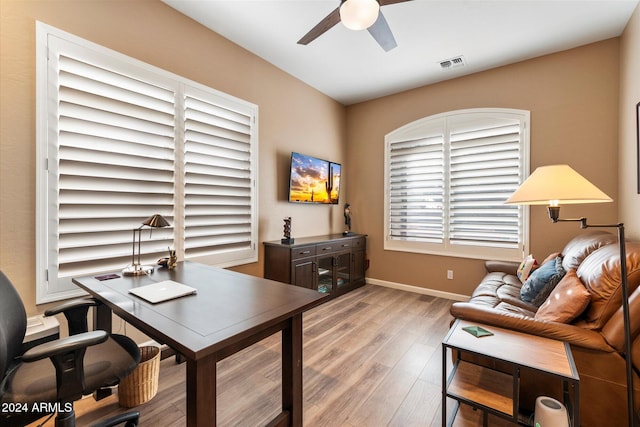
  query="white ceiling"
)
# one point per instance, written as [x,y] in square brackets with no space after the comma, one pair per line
[350,66]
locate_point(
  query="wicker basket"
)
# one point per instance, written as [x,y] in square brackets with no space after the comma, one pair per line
[141,384]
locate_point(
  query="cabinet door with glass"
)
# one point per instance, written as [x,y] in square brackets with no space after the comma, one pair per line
[325,274]
[334,272]
[343,271]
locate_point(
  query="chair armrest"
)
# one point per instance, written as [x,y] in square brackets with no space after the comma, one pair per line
[67,356]
[75,311]
[64,345]
[574,335]
[69,305]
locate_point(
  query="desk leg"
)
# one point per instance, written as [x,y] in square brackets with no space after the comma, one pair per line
[292,370]
[102,318]
[201,392]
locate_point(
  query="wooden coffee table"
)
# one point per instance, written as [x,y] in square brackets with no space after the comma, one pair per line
[497,392]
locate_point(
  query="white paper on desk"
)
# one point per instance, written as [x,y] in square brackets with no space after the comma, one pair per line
[162,291]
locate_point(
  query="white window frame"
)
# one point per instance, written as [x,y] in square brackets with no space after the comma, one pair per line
[440,124]
[49,287]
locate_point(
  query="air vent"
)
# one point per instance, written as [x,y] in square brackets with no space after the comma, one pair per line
[456,61]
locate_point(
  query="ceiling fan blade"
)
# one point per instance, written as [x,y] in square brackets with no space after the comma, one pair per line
[328,22]
[382,33]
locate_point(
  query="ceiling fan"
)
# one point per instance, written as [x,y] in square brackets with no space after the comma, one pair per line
[358,15]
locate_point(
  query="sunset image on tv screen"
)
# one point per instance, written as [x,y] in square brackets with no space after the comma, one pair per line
[311,180]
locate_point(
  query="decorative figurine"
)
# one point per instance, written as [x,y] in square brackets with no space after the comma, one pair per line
[288,240]
[347,220]
[173,259]
[171,262]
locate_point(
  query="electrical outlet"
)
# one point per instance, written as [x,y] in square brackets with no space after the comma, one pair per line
[450,274]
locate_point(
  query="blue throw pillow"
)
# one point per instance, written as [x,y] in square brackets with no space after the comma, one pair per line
[538,286]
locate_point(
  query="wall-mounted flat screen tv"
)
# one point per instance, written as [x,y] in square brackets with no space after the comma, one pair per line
[313,180]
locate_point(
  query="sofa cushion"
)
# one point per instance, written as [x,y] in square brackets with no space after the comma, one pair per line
[600,273]
[582,245]
[613,330]
[542,281]
[498,288]
[567,301]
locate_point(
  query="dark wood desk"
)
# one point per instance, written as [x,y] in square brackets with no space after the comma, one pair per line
[230,312]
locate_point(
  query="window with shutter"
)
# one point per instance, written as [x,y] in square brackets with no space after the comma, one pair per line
[416,189]
[219,180]
[115,165]
[119,141]
[447,178]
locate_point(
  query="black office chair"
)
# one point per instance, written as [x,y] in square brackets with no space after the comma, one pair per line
[49,377]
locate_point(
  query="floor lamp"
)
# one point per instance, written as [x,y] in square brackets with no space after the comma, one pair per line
[560,184]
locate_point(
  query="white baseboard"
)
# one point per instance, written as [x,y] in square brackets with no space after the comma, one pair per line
[418,289]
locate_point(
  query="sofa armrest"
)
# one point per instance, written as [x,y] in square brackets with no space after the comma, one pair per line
[508,267]
[574,335]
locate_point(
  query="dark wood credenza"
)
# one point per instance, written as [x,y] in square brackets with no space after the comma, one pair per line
[332,264]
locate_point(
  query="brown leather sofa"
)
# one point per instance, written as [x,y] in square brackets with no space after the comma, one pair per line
[596,336]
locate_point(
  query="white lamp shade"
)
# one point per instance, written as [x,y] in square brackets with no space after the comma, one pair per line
[359,14]
[556,184]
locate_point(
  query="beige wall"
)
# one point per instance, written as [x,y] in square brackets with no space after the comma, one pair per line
[629,97]
[573,99]
[293,116]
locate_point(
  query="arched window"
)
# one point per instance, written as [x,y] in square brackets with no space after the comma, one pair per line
[446,179]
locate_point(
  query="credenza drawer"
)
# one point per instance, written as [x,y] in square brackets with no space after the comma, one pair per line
[303,251]
[328,248]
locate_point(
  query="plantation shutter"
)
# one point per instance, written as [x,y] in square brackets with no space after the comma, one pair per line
[484,171]
[114,166]
[219,214]
[416,189]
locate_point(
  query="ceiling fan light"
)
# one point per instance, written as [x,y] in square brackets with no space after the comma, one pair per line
[359,14]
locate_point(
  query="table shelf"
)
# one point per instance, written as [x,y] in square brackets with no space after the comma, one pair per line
[482,386]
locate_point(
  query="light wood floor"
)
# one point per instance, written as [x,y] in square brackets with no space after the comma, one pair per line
[371,358]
